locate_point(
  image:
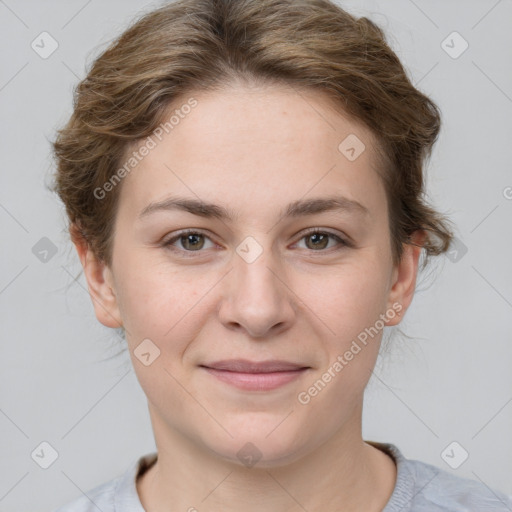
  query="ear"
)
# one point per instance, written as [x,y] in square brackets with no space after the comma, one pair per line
[404,277]
[100,283]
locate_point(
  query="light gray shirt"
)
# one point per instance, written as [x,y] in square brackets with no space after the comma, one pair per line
[420,487]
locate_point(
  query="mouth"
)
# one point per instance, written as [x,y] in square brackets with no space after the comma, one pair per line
[255,376]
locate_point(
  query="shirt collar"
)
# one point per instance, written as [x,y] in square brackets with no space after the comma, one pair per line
[126,498]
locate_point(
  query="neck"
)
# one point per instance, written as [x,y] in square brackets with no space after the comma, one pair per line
[343,474]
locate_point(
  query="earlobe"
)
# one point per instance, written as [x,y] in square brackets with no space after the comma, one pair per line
[404,277]
[100,285]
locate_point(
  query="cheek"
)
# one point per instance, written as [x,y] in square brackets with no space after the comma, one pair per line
[166,308]
[156,300]
[347,298]
[349,302]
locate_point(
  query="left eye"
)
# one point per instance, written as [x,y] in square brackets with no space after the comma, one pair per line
[320,239]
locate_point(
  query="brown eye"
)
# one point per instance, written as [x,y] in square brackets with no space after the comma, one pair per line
[188,242]
[192,241]
[317,240]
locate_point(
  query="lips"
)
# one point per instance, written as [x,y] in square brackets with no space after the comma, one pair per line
[246,366]
[250,376]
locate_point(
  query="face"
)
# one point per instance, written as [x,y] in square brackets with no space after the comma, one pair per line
[250,281]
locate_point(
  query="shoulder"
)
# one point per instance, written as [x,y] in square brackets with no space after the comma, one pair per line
[116,495]
[422,487]
[440,490]
[100,497]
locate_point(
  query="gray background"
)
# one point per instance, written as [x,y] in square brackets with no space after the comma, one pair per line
[451,382]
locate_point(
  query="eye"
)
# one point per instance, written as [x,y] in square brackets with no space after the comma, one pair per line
[317,240]
[190,240]
[193,241]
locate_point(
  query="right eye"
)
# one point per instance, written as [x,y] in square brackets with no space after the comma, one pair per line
[191,241]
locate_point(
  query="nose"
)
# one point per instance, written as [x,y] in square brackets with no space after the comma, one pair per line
[256,297]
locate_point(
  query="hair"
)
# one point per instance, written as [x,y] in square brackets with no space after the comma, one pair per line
[201,45]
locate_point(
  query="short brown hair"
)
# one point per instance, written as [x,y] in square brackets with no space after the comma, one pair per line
[193,45]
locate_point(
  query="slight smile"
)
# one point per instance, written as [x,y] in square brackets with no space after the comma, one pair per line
[255,376]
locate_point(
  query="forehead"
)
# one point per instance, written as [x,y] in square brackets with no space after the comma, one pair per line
[228,122]
[256,144]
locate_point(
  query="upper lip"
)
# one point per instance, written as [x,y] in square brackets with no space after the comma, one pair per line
[246,366]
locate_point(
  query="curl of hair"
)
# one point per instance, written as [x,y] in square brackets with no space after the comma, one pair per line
[195,45]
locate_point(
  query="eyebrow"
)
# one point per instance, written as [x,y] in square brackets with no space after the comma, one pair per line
[295,209]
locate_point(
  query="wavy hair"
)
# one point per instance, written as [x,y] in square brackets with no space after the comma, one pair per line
[194,45]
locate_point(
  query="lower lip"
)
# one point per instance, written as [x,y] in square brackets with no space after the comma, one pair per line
[256,381]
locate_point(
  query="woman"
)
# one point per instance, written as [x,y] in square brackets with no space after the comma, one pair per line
[244,185]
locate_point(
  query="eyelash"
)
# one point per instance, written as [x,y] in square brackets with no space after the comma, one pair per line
[343,243]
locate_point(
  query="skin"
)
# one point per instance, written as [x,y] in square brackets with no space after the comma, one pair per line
[254,150]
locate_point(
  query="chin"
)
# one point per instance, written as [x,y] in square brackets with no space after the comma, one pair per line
[259,443]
